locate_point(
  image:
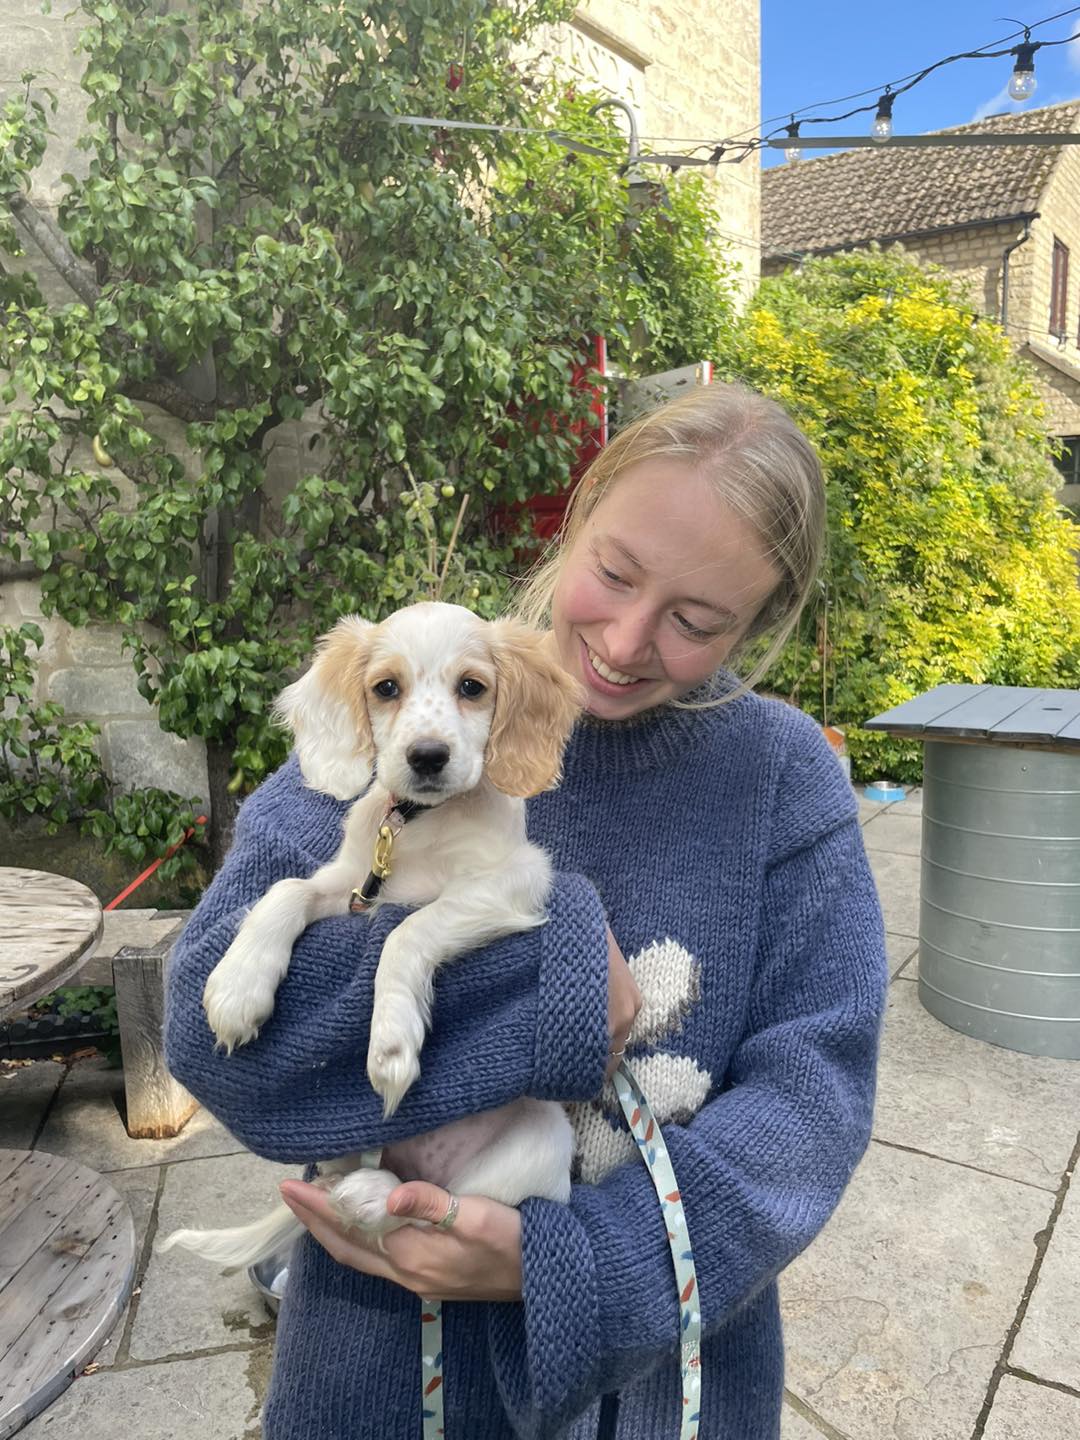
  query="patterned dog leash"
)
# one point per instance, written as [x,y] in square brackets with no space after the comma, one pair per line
[645,1129]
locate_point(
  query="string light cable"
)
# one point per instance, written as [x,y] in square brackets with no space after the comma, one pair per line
[736,148]
[1021,87]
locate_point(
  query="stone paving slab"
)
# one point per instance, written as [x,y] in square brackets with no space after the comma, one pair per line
[899,949]
[1025,1411]
[1049,1341]
[86,1124]
[897,878]
[793,1426]
[900,832]
[972,1102]
[190,1304]
[212,1397]
[896,1315]
[139,1188]
[25,1093]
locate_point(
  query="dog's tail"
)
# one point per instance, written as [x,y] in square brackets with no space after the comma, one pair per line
[243,1245]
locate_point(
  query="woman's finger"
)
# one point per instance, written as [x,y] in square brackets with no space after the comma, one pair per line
[420,1200]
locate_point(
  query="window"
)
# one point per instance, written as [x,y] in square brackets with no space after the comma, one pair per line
[1059,289]
[1068,462]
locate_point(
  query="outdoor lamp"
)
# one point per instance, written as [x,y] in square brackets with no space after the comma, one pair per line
[881,129]
[793,151]
[1022,79]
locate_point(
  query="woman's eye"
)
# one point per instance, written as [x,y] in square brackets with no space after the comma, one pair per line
[610,575]
[471,688]
[693,631]
[387,690]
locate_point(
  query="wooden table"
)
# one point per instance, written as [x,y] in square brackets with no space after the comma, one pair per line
[67,1239]
[49,926]
[67,1264]
[999,918]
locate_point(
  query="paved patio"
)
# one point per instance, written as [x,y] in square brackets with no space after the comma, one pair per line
[939,1303]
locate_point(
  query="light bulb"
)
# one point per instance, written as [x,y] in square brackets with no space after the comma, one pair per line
[793,151]
[1022,79]
[881,129]
[1022,84]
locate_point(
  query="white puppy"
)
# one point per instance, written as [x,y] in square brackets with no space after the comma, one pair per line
[457,719]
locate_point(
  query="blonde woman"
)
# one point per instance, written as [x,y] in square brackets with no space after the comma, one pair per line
[711,883]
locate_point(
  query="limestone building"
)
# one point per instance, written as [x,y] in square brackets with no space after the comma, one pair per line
[1004,219]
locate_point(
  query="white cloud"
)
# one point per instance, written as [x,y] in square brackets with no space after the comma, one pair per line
[997,106]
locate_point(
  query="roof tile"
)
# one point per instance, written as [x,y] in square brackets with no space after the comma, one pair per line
[862,195]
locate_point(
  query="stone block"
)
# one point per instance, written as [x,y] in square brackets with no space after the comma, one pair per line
[138,754]
[98,645]
[102,690]
[971,1102]
[24,596]
[1048,1344]
[895,1316]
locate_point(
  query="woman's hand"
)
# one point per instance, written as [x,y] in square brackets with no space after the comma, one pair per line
[624,1002]
[478,1258]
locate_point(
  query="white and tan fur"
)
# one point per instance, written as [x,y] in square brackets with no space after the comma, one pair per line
[465,867]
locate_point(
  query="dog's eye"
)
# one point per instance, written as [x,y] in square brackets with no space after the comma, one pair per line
[387,690]
[471,688]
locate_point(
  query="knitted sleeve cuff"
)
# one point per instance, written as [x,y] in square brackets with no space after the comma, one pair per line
[544,1351]
[572,1003]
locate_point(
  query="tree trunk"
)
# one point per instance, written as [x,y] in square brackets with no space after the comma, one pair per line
[223,806]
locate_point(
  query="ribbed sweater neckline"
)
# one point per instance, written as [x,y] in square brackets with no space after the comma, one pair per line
[649,741]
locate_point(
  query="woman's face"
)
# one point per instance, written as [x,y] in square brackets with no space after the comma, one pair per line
[660,584]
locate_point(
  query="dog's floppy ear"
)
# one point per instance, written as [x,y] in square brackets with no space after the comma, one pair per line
[536,704]
[327,712]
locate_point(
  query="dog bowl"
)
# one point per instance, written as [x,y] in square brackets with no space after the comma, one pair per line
[887,790]
[269,1278]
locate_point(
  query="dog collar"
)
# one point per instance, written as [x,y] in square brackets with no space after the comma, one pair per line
[398,814]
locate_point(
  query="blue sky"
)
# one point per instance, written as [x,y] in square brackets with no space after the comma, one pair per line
[817,51]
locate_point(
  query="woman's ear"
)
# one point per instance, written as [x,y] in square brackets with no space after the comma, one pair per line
[327,712]
[536,704]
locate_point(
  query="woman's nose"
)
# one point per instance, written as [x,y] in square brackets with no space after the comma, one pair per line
[628,639]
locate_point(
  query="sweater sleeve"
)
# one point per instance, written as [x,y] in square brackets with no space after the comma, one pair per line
[760,1168]
[526,1015]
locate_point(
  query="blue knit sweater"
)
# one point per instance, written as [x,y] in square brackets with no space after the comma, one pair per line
[724,847]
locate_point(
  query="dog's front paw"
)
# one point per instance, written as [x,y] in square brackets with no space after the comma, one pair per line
[359,1201]
[393,1058]
[239,995]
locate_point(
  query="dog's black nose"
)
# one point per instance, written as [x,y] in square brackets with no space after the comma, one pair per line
[427,757]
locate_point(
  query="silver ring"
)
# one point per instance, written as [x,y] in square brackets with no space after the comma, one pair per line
[617,1054]
[451,1213]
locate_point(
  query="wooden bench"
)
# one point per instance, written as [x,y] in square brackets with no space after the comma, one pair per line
[51,933]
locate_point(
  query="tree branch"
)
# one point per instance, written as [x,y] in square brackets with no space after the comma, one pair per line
[171,397]
[49,238]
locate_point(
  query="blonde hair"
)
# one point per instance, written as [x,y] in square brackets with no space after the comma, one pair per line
[759,463]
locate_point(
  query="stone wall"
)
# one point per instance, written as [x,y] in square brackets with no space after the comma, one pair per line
[688,69]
